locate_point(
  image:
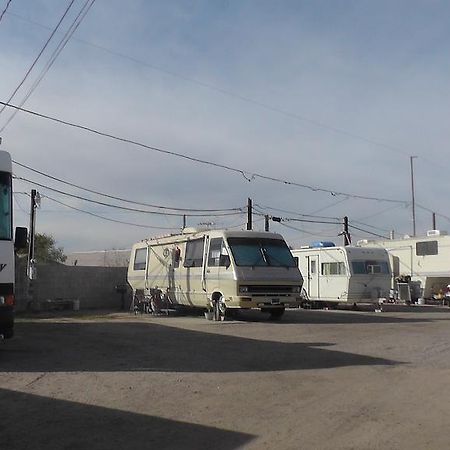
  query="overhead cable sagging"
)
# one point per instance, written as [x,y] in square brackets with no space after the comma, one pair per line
[248,175]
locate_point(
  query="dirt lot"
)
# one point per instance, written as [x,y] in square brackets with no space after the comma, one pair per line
[315,380]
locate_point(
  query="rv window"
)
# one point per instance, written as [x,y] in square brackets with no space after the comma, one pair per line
[218,254]
[140,257]
[426,248]
[194,253]
[333,268]
[369,267]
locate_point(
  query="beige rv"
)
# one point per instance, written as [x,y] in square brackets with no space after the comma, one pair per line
[218,270]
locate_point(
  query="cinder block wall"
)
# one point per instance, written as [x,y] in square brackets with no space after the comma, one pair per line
[93,286]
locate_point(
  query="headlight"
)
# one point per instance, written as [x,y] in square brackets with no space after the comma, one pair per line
[2,300]
[243,289]
[296,289]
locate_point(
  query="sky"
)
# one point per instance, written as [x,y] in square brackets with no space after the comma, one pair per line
[315,108]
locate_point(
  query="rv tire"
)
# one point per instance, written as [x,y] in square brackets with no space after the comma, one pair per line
[275,314]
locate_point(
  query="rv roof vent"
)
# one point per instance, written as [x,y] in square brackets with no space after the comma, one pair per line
[317,244]
[362,242]
[436,233]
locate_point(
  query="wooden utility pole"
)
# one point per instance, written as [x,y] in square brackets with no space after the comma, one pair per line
[31,266]
[249,214]
[345,232]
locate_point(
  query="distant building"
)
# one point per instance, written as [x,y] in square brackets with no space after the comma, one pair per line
[100,258]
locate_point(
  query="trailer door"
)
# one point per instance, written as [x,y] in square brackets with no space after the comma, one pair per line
[313,276]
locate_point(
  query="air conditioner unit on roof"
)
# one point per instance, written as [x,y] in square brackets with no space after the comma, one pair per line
[436,233]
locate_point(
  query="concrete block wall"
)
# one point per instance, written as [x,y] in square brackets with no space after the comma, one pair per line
[93,286]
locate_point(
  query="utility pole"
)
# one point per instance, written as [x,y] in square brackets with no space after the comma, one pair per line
[345,232]
[412,194]
[249,214]
[266,222]
[184,221]
[434,221]
[34,204]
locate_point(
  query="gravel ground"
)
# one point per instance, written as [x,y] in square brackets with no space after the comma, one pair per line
[314,380]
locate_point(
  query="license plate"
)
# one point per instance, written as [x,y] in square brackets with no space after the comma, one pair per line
[275,301]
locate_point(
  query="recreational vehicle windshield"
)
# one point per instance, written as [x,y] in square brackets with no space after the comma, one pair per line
[345,274]
[225,270]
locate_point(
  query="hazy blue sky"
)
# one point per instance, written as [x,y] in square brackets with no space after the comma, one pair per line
[331,94]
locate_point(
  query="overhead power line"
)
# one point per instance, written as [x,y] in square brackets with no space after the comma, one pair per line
[107,218]
[121,198]
[232,94]
[4,10]
[125,208]
[38,56]
[235,95]
[292,212]
[63,42]
[249,176]
[431,211]
[368,232]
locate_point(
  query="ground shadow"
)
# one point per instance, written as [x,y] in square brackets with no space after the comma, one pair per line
[34,422]
[308,316]
[134,346]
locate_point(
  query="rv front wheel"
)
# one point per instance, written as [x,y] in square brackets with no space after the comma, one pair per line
[276,314]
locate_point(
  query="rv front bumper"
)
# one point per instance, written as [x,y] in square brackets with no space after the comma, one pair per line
[252,302]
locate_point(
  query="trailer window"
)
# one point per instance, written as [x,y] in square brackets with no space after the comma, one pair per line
[140,258]
[5,207]
[369,267]
[333,268]
[426,248]
[261,252]
[194,253]
[218,254]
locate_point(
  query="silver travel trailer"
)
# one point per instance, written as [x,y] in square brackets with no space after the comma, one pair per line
[424,260]
[344,274]
[217,270]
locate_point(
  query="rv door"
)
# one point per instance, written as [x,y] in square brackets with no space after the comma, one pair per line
[313,276]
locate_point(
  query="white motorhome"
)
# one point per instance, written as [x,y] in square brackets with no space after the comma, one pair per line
[218,270]
[344,274]
[7,246]
[425,260]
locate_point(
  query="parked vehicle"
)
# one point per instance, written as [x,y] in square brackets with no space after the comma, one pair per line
[344,274]
[423,259]
[7,270]
[218,270]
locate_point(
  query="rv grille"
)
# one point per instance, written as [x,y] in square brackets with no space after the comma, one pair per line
[269,290]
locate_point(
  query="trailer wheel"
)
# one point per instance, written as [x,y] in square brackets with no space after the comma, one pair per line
[276,314]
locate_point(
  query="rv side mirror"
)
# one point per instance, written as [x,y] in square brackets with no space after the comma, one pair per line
[296,260]
[21,238]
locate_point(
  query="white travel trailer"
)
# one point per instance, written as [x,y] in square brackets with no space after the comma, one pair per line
[344,274]
[7,247]
[218,270]
[425,260]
